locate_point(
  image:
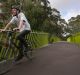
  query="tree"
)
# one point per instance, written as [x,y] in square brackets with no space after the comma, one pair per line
[74,24]
[40,15]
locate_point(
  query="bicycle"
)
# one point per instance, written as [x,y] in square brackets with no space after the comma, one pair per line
[9,50]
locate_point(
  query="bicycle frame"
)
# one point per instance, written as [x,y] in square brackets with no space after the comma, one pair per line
[6,50]
[11,43]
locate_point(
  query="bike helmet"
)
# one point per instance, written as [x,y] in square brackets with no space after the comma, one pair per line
[16,7]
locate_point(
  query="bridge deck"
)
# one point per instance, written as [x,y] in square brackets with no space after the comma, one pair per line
[60,58]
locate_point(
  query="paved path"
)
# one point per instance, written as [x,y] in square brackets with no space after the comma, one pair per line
[60,58]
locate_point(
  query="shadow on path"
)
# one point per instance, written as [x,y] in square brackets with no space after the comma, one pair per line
[60,58]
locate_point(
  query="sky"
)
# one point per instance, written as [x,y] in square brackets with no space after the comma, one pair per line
[67,8]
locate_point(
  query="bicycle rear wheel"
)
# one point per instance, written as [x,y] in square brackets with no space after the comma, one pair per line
[28,52]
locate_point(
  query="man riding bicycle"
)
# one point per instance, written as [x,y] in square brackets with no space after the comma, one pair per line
[22,25]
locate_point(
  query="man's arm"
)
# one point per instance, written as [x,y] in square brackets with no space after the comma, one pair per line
[12,21]
[19,26]
[7,26]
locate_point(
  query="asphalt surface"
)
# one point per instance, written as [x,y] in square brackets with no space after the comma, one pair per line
[60,58]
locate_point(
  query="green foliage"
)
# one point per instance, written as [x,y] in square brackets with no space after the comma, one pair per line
[53,38]
[74,24]
[35,16]
[75,38]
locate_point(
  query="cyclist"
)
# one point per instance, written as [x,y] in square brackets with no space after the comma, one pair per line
[23,26]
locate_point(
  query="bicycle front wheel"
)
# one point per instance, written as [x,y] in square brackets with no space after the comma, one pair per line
[8,52]
[6,60]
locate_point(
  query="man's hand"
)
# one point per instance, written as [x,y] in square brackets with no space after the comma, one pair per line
[16,29]
[1,30]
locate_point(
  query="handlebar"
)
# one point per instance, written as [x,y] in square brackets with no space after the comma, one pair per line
[9,30]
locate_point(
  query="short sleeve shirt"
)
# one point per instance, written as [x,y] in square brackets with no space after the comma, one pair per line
[21,17]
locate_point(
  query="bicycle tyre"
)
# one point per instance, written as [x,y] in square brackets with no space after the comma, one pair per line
[28,52]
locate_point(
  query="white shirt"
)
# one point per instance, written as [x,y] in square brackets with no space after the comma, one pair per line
[21,17]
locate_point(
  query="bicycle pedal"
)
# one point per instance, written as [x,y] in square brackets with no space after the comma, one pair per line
[6,44]
[25,51]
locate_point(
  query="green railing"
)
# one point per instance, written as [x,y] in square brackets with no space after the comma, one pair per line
[37,40]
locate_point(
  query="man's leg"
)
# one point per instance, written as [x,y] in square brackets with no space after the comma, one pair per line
[20,55]
[21,37]
[22,41]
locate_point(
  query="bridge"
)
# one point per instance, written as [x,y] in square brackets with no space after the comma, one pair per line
[61,58]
